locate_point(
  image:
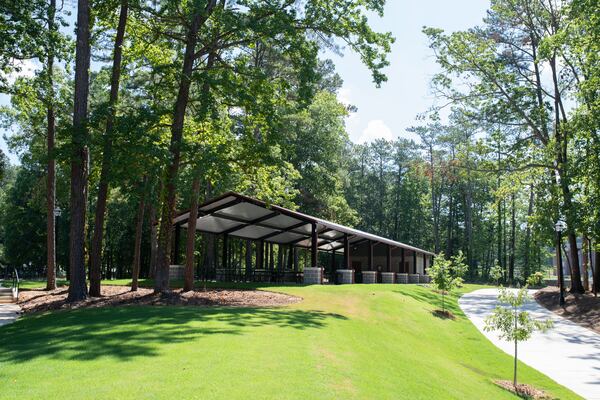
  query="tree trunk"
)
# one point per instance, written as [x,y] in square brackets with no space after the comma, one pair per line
[188,283]
[96,253]
[511,263]
[563,179]
[153,238]
[596,282]
[527,268]
[585,261]
[51,178]
[138,238]
[161,283]
[79,156]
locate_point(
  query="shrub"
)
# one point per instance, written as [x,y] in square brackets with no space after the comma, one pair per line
[535,279]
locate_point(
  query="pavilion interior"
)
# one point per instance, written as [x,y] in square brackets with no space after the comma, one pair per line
[282,243]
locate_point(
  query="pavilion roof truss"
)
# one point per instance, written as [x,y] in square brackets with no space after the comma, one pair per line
[247,218]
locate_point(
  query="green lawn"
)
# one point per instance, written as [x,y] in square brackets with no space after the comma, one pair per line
[341,342]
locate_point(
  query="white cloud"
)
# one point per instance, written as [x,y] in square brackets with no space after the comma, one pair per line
[376,129]
[343,95]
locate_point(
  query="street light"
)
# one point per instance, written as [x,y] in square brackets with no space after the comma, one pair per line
[559,227]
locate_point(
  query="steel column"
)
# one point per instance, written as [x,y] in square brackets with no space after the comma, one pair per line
[404,269]
[225,255]
[346,252]
[314,246]
[414,262]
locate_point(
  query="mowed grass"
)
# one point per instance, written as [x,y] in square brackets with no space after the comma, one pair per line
[340,342]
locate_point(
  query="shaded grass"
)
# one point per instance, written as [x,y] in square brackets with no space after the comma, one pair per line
[29,284]
[351,342]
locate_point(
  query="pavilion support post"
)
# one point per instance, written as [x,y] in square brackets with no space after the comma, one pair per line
[175,256]
[346,252]
[225,255]
[332,263]
[259,254]
[404,269]
[370,255]
[295,251]
[313,246]
[414,262]
[389,258]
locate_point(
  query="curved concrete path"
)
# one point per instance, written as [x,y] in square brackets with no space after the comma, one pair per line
[9,312]
[568,353]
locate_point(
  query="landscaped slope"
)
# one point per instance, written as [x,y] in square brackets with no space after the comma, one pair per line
[354,341]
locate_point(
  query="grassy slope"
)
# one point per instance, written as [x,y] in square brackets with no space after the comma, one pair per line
[353,341]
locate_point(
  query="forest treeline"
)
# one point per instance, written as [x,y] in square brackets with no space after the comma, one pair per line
[153,107]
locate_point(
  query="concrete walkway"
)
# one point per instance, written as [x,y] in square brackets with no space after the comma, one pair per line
[9,312]
[568,353]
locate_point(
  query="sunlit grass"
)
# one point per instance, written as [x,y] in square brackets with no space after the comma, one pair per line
[340,342]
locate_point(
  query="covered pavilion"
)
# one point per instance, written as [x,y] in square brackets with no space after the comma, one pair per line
[352,255]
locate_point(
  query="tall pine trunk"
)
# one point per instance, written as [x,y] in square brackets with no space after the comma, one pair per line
[563,180]
[153,238]
[596,282]
[527,261]
[79,156]
[188,283]
[161,283]
[96,252]
[585,261]
[513,222]
[51,177]
[137,250]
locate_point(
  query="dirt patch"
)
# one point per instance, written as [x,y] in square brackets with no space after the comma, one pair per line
[583,309]
[524,391]
[40,300]
[443,314]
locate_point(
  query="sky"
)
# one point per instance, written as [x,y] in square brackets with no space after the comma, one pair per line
[387,112]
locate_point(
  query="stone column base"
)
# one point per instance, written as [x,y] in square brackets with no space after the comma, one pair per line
[313,276]
[387,277]
[401,277]
[345,276]
[369,276]
[413,278]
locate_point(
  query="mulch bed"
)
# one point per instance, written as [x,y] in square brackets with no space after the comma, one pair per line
[583,309]
[444,314]
[32,301]
[524,391]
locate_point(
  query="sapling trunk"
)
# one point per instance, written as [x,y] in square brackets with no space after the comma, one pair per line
[443,301]
[515,361]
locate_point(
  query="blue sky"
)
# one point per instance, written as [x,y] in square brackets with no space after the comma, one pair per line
[386,112]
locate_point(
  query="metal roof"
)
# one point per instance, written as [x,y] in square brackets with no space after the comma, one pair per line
[248,218]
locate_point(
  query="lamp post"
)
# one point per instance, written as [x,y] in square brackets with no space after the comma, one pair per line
[559,227]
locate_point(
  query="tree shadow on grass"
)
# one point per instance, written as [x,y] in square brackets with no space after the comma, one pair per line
[127,332]
[428,296]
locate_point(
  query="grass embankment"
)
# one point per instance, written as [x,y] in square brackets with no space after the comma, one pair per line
[350,342]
